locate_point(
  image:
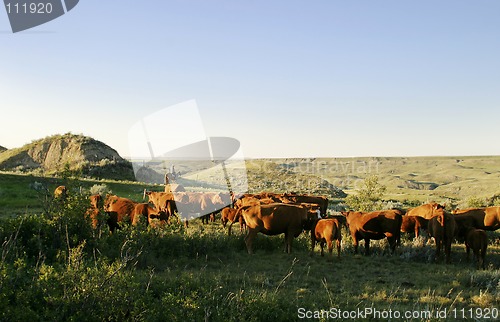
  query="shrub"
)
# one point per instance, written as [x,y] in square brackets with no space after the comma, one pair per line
[368,197]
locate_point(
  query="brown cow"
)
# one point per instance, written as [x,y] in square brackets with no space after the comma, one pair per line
[483,218]
[413,224]
[61,192]
[219,201]
[374,225]
[426,211]
[274,219]
[247,201]
[159,199]
[321,201]
[478,241]
[229,215]
[444,229]
[93,210]
[119,209]
[326,231]
[144,210]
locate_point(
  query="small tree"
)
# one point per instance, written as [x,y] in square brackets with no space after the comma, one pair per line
[476,202]
[368,196]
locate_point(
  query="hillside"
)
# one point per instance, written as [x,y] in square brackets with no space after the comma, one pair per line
[68,152]
[442,179]
[412,178]
[2,149]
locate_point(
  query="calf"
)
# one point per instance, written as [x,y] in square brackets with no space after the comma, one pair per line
[326,231]
[478,241]
[444,229]
[144,210]
[93,211]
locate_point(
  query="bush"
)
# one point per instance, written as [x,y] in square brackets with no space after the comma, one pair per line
[368,197]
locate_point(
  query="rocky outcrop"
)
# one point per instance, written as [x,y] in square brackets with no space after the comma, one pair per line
[68,152]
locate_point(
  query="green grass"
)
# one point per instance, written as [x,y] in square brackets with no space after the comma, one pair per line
[17,196]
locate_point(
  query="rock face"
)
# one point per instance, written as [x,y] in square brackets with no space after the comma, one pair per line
[68,152]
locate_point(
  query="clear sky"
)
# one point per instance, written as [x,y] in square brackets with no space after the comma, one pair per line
[319,78]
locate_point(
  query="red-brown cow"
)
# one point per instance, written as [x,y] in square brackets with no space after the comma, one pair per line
[374,225]
[274,219]
[326,231]
[61,192]
[229,215]
[119,209]
[153,217]
[219,201]
[444,229]
[483,218]
[478,241]
[426,211]
[93,211]
[413,224]
[321,201]
[159,199]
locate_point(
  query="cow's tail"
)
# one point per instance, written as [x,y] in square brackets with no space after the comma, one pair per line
[442,221]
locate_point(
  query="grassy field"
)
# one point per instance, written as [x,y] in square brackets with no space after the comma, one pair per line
[19,196]
[54,267]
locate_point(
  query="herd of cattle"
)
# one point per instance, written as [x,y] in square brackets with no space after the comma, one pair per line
[290,214]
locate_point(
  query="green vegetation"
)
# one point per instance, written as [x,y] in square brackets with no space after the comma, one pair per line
[68,153]
[368,197]
[22,194]
[54,267]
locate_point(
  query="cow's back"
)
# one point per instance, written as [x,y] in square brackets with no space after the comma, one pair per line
[492,218]
[426,211]
[277,218]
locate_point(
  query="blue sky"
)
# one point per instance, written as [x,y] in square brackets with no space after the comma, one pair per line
[286,78]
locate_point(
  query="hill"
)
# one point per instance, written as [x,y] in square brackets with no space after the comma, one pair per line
[2,149]
[419,179]
[75,153]
[406,178]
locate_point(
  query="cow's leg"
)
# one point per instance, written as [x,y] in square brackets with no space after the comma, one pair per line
[475,251]
[330,245]
[367,246]
[249,239]
[338,248]
[322,245]
[447,249]
[438,247]
[313,242]
[467,251]
[483,254]
[354,242]
[392,243]
[243,224]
